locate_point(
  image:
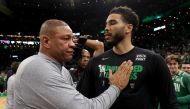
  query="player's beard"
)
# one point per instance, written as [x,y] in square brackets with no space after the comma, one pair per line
[119,36]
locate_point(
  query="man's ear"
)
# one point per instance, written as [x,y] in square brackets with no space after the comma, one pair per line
[129,28]
[45,41]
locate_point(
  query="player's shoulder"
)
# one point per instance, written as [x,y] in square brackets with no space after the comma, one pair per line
[149,53]
[145,51]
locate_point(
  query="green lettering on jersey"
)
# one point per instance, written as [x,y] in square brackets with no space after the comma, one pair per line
[136,69]
[113,68]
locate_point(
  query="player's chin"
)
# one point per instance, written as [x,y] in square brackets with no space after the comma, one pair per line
[109,41]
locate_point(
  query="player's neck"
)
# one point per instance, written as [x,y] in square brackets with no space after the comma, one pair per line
[123,47]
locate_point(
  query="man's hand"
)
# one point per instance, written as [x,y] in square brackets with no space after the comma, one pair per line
[121,77]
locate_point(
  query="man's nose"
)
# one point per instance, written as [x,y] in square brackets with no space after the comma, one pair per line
[107,27]
[72,44]
[86,59]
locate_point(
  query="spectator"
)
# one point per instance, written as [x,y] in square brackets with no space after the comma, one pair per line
[10,86]
[185,67]
[181,81]
[14,65]
[83,61]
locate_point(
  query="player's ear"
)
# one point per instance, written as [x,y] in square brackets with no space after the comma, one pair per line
[128,28]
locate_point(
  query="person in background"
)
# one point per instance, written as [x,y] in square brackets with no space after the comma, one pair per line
[185,67]
[96,45]
[82,62]
[42,81]
[181,81]
[3,81]
[84,54]
[150,81]
[11,72]
[10,87]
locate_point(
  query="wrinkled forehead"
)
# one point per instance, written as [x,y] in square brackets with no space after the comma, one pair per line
[66,30]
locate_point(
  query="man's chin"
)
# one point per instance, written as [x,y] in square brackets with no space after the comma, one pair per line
[110,43]
[68,59]
[108,40]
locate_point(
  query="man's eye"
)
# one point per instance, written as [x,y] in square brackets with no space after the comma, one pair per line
[113,23]
[66,38]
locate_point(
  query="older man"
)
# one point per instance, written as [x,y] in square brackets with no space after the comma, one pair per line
[42,81]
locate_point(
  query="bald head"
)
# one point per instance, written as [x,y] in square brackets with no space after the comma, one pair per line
[49,26]
[85,51]
[56,40]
